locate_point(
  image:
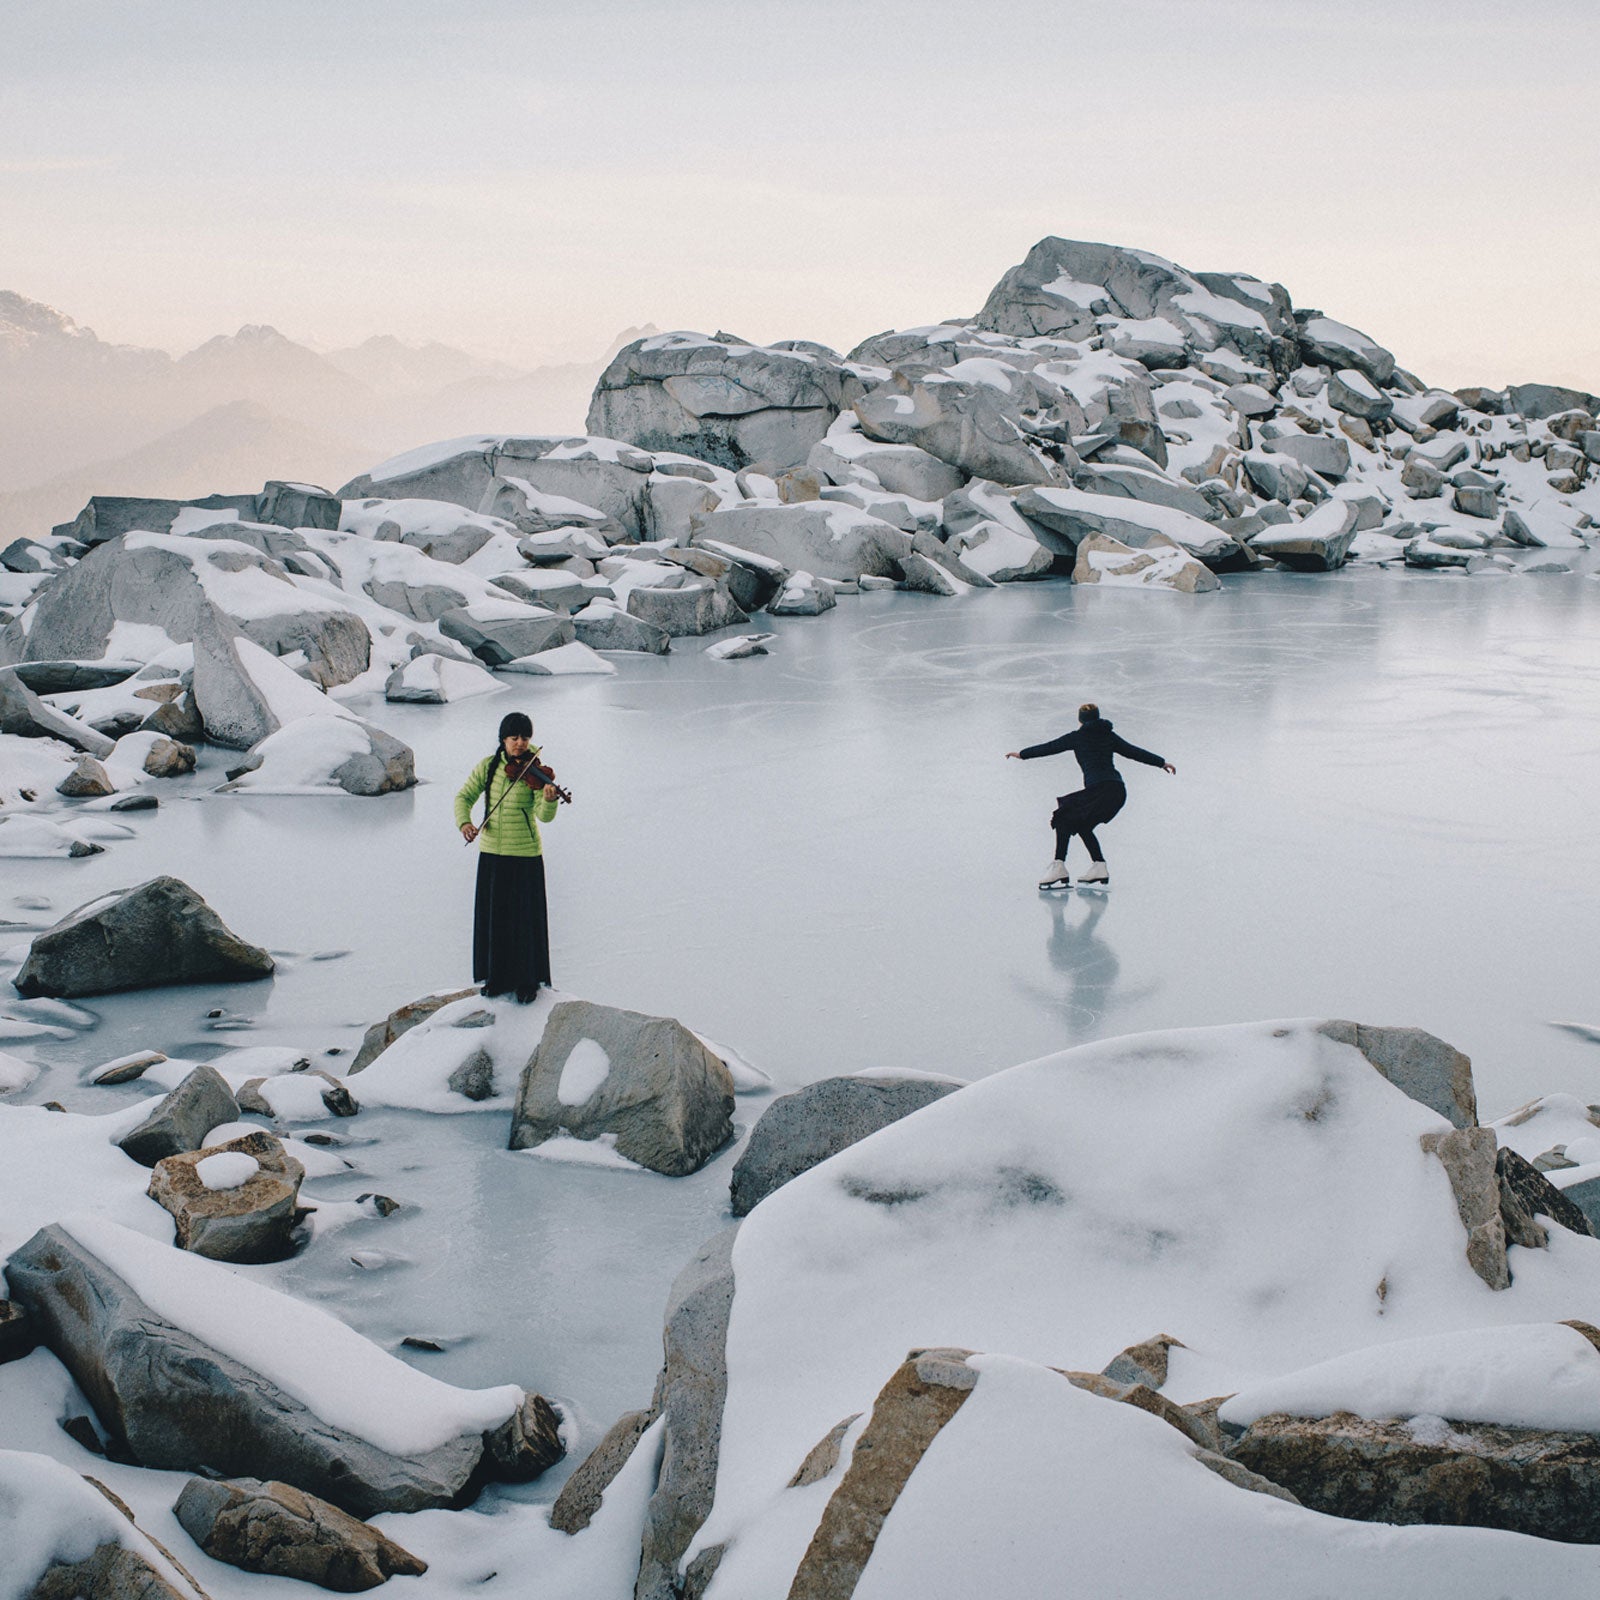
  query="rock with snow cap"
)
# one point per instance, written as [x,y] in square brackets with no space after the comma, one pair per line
[182,1119]
[243,1211]
[645,1083]
[832,541]
[500,632]
[1319,542]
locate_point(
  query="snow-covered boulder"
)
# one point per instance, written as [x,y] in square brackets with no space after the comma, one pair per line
[973,426]
[243,692]
[732,404]
[1353,393]
[846,455]
[435,680]
[564,661]
[323,752]
[1155,565]
[798,1130]
[804,595]
[644,1084]
[604,626]
[1319,542]
[1322,453]
[817,536]
[1073,515]
[65,1538]
[442,531]
[234,1201]
[1334,344]
[278,1530]
[697,607]
[159,933]
[499,631]
[1542,526]
[1062,1209]
[190,1364]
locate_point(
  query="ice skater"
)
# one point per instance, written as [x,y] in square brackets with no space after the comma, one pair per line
[1102,796]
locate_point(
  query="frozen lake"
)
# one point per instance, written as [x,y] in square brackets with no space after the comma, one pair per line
[1384,810]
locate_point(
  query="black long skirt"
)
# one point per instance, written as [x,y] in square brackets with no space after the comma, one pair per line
[1088,808]
[510,926]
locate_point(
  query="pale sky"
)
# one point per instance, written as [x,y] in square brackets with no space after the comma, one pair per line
[525,179]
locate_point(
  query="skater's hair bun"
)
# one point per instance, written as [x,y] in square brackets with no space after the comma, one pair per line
[516,725]
[1088,711]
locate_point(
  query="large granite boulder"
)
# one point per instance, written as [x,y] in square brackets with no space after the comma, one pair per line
[333,750]
[401,1021]
[190,1365]
[723,401]
[1157,564]
[1431,1072]
[604,626]
[801,1129]
[697,607]
[242,692]
[442,531]
[276,1529]
[1322,453]
[817,536]
[646,1084]
[1066,517]
[182,1118]
[1335,344]
[972,426]
[158,933]
[235,1201]
[846,455]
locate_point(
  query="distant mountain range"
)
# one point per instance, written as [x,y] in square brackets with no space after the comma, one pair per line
[80,416]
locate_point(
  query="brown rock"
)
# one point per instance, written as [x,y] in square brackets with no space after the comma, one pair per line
[381,1035]
[525,1444]
[87,780]
[1144,1363]
[581,1494]
[1468,1156]
[251,1223]
[925,1392]
[277,1529]
[823,1456]
[112,1572]
[1147,1399]
[1456,1474]
[18,1333]
[167,758]
[1430,1071]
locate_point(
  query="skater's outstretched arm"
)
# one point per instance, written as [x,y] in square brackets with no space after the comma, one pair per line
[1067,741]
[1134,753]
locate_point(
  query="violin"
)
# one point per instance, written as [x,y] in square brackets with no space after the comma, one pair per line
[529,771]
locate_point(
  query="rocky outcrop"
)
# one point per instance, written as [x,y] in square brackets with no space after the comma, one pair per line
[1428,1469]
[1468,1158]
[1102,559]
[582,1493]
[276,1529]
[646,1084]
[689,1394]
[723,401]
[242,1212]
[182,1118]
[799,1130]
[1427,1069]
[498,633]
[1318,542]
[697,607]
[23,713]
[159,933]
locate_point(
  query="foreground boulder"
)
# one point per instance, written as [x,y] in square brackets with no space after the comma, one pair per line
[23,713]
[799,1130]
[159,933]
[277,1529]
[235,1201]
[272,1388]
[645,1084]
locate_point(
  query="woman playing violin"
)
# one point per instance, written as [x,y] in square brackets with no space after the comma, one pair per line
[510,924]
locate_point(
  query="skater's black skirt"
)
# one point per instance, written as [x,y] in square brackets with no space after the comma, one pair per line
[1088,808]
[510,926]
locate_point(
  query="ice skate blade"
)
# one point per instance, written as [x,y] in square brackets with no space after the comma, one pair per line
[1055,886]
[1098,889]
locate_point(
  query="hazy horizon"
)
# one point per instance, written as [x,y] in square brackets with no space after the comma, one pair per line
[523,180]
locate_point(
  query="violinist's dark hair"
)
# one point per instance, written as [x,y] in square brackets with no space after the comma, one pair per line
[1088,712]
[515,725]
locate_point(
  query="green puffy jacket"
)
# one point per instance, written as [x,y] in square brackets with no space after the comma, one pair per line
[513,830]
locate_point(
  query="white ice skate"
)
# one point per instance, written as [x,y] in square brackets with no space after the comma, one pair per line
[1056,877]
[1094,876]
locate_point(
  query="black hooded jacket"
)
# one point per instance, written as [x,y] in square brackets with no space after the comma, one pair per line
[1094,744]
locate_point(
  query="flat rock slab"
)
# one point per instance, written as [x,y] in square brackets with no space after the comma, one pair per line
[158,933]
